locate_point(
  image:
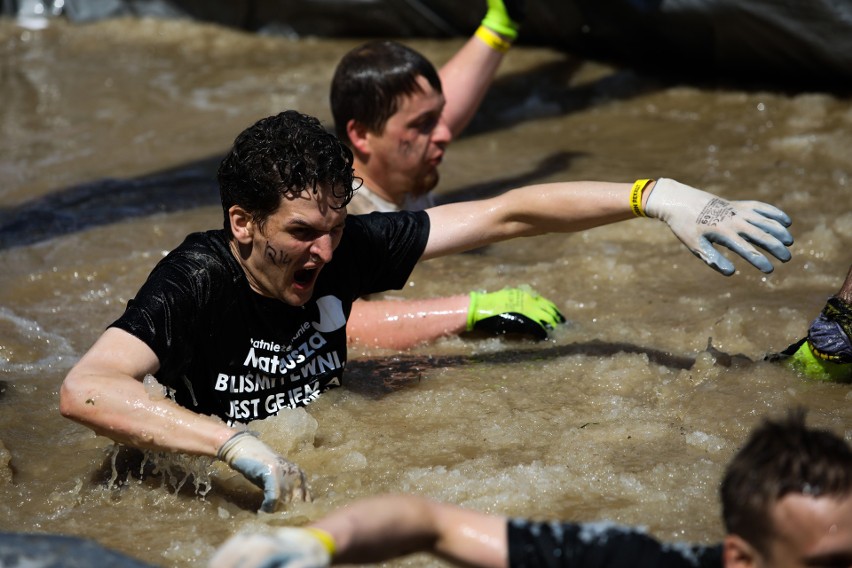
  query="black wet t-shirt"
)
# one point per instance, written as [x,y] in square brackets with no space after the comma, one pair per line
[227,351]
[599,545]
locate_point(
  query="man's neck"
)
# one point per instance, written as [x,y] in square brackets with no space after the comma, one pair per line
[375,185]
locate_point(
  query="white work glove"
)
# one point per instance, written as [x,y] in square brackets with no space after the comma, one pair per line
[700,219]
[280,479]
[286,547]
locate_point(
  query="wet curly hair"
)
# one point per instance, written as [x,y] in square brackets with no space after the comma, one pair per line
[279,156]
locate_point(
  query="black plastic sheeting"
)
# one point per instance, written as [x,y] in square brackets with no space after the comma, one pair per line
[54,551]
[795,42]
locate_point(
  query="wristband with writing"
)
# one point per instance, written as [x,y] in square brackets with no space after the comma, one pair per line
[636,196]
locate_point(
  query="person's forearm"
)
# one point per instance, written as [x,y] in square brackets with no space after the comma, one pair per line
[380,528]
[533,210]
[120,408]
[465,79]
[402,324]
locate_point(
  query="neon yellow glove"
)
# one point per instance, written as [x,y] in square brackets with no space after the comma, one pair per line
[800,358]
[513,310]
[826,353]
[505,17]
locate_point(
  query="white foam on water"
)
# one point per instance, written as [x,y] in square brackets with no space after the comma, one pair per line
[28,351]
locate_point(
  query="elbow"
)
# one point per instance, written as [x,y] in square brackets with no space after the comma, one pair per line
[73,397]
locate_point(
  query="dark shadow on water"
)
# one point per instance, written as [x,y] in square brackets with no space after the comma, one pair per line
[546,167]
[375,378]
[105,201]
[550,90]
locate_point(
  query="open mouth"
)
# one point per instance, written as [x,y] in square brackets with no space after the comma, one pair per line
[305,277]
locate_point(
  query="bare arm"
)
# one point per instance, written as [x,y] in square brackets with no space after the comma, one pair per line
[104,391]
[384,527]
[700,220]
[465,79]
[528,211]
[403,324]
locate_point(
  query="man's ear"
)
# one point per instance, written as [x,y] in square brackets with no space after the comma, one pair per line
[358,136]
[242,226]
[737,553]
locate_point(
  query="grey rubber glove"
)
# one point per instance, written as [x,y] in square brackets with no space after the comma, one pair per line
[285,547]
[280,480]
[700,219]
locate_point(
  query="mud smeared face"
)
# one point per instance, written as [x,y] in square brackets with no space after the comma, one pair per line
[288,252]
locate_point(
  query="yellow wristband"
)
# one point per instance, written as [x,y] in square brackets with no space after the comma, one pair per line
[325,538]
[492,39]
[636,196]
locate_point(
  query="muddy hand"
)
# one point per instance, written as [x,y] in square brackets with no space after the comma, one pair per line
[280,480]
[700,219]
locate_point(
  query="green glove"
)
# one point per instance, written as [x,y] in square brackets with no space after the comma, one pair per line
[505,17]
[800,357]
[826,353]
[512,310]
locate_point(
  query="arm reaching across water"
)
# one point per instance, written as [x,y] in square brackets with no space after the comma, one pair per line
[404,324]
[104,391]
[373,530]
[696,217]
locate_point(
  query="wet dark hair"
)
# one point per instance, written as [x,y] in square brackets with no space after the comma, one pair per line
[779,458]
[371,79]
[280,156]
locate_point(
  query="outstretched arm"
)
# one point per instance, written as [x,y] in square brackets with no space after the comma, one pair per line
[403,324]
[373,530]
[105,391]
[698,219]
[466,77]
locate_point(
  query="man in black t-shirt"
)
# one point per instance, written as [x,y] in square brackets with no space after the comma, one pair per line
[786,500]
[246,321]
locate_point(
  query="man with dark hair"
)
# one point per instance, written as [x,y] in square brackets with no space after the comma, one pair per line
[398,114]
[786,497]
[246,321]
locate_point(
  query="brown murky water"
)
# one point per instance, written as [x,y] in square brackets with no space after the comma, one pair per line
[109,131]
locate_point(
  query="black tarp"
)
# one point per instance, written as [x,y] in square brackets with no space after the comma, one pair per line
[800,42]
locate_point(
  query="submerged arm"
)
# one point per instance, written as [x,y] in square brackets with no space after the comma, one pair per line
[105,392]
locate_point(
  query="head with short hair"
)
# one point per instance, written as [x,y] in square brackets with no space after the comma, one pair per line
[371,79]
[781,457]
[283,156]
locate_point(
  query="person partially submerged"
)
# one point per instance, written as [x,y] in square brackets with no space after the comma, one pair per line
[249,320]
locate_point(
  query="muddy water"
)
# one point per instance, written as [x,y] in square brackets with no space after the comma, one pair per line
[110,133]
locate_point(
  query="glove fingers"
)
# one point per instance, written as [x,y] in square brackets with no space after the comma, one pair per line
[712,257]
[742,247]
[551,309]
[766,240]
[774,228]
[768,211]
[271,494]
